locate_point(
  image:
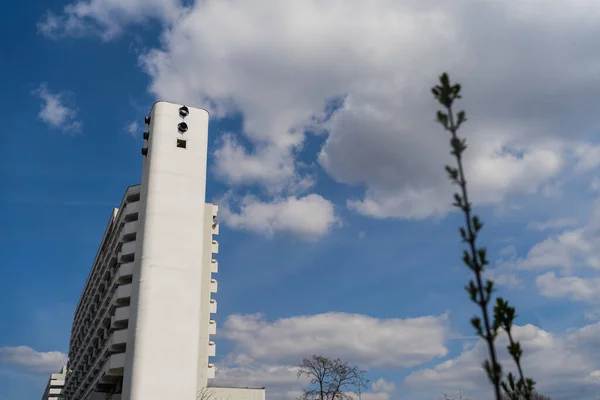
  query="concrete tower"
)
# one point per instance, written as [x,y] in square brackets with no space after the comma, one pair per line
[164,328]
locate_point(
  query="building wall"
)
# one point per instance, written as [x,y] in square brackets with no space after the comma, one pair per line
[210,266]
[164,325]
[222,393]
[98,335]
[55,385]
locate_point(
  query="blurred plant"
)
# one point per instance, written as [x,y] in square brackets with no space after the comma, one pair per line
[475,258]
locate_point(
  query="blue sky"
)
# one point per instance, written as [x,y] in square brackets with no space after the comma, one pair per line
[328,169]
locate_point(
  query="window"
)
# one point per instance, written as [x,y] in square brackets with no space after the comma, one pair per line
[181,143]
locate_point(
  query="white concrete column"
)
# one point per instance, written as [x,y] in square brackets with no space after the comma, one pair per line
[164,327]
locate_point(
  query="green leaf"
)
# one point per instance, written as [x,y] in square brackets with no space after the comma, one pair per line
[444,80]
[452,173]
[482,257]
[467,259]
[442,118]
[457,201]
[476,322]
[477,224]
[472,290]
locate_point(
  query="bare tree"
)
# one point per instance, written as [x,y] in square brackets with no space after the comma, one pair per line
[458,396]
[207,393]
[331,379]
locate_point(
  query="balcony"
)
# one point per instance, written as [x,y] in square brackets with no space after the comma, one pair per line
[122,295]
[119,338]
[133,193]
[115,364]
[129,231]
[214,266]
[212,327]
[213,286]
[210,371]
[127,252]
[215,228]
[215,247]
[213,306]
[125,273]
[121,316]
[131,211]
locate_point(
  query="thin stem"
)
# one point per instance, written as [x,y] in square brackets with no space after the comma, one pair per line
[477,267]
[518,362]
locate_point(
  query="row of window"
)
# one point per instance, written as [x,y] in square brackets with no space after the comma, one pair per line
[92,326]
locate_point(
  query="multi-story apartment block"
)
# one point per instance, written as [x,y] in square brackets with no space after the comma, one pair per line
[142,329]
[56,382]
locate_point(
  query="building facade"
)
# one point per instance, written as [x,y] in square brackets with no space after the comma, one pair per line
[55,385]
[142,329]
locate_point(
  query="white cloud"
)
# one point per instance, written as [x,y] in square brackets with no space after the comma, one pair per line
[556,223]
[279,74]
[106,18]
[595,185]
[564,366]
[267,353]
[569,250]
[56,112]
[310,216]
[236,166]
[381,389]
[30,359]
[279,63]
[572,287]
[589,158]
[133,128]
[358,339]
[571,259]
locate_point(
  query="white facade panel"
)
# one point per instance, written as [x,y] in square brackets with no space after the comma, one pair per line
[162,351]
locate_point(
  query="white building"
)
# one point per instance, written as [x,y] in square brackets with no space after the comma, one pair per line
[55,385]
[142,328]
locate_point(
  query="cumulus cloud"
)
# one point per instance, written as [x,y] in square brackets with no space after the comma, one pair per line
[237,166]
[556,223]
[380,390]
[565,367]
[571,287]
[30,359]
[56,112]
[280,64]
[106,18]
[359,339]
[567,262]
[569,250]
[309,216]
[267,353]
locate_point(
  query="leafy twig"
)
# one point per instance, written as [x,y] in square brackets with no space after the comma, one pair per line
[475,258]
